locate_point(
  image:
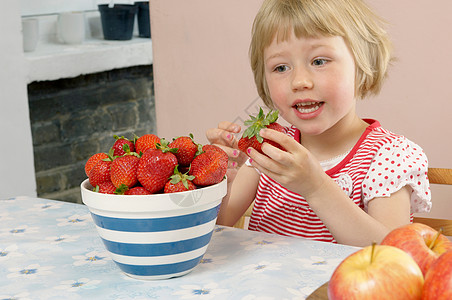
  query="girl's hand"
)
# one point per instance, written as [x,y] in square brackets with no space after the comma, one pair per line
[296,169]
[224,137]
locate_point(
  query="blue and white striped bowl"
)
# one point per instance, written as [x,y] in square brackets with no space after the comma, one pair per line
[155,236]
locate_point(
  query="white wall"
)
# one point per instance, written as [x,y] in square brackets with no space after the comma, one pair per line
[202,73]
[16,153]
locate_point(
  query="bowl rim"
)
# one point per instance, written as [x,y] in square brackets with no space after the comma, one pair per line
[209,195]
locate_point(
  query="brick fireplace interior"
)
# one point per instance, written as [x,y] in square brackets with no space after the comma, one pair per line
[71,119]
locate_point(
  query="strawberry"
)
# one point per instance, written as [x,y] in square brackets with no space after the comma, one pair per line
[208,147]
[179,182]
[93,160]
[186,149]
[118,146]
[100,172]
[124,170]
[209,167]
[156,166]
[251,137]
[137,190]
[106,187]
[145,142]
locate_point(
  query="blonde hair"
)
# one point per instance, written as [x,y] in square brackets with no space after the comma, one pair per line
[353,20]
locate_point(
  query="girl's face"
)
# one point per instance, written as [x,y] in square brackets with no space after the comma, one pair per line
[311,82]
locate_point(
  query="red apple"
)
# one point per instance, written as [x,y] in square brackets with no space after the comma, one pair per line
[377,272]
[422,242]
[438,280]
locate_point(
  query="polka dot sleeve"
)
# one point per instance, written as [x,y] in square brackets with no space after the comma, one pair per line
[398,163]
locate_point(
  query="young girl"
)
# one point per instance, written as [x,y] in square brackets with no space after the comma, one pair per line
[342,179]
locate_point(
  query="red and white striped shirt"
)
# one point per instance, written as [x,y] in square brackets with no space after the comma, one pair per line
[379,164]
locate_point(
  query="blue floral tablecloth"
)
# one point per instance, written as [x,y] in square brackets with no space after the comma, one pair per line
[50,250]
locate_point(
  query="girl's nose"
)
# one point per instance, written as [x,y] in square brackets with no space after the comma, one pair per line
[301,80]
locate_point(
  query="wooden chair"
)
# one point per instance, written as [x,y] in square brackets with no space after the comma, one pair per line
[438,176]
[242,222]
[435,176]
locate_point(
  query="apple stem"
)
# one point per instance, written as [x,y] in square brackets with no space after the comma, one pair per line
[372,252]
[432,243]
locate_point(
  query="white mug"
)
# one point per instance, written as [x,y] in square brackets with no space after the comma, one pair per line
[30,34]
[71,27]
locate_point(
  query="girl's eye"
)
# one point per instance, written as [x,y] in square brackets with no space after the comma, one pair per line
[280,69]
[319,62]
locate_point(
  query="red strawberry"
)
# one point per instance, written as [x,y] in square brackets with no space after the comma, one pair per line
[251,137]
[208,147]
[186,149]
[179,182]
[137,190]
[155,167]
[118,146]
[106,187]
[209,167]
[93,160]
[124,170]
[145,142]
[100,172]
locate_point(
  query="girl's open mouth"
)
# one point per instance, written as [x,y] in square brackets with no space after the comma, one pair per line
[308,107]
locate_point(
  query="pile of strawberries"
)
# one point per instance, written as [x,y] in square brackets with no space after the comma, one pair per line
[149,164]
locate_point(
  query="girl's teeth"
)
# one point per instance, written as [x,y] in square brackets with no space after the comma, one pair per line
[307,110]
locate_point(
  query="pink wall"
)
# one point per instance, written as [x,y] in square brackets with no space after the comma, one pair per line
[202,73]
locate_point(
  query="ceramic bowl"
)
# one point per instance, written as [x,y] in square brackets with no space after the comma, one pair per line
[155,236]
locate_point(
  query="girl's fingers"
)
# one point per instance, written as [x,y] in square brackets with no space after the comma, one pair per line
[290,144]
[223,134]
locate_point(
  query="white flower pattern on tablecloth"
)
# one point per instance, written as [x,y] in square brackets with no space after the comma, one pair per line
[64,238]
[76,285]
[268,242]
[319,263]
[260,267]
[93,257]
[212,261]
[207,291]
[19,230]
[9,252]
[77,220]
[31,271]
[39,207]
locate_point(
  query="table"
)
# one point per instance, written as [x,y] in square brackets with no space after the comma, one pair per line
[50,249]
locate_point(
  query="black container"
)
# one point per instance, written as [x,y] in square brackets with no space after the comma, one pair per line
[144,22]
[117,21]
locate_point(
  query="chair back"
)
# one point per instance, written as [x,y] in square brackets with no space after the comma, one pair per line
[438,176]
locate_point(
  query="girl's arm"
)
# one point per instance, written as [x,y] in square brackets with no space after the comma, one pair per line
[242,180]
[299,171]
[241,193]
[351,225]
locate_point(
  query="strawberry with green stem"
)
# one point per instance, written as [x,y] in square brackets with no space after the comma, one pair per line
[124,168]
[251,137]
[92,161]
[145,142]
[179,182]
[187,149]
[119,144]
[101,171]
[210,166]
[156,166]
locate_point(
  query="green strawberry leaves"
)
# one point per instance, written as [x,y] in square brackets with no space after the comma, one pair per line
[255,124]
[178,176]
